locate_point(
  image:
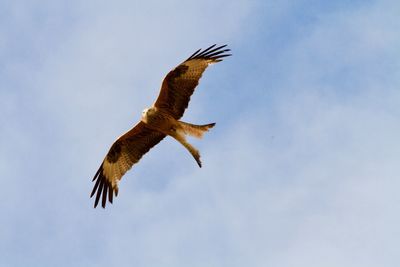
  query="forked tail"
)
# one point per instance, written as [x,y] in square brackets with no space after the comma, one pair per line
[195,130]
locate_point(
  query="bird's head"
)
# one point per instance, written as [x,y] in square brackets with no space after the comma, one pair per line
[144,112]
[147,112]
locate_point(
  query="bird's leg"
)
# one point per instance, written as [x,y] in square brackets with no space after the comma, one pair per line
[181,139]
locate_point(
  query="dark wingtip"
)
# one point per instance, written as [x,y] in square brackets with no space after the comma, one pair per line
[97,173]
[102,189]
[212,52]
[105,193]
[99,190]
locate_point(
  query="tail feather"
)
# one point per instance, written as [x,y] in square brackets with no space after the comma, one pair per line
[195,130]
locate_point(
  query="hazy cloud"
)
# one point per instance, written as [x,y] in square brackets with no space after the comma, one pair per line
[302,172]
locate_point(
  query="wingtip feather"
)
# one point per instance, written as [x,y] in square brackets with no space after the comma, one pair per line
[99,190]
[212,53]
[105,191]
[95,188]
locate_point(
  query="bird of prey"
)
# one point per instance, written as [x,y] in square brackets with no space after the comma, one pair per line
[158,121]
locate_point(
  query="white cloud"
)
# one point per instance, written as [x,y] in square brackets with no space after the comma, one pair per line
[311,182]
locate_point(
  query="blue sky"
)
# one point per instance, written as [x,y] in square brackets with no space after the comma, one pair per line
[302,168]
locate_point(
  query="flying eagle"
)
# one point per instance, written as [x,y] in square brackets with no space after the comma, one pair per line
[158,121]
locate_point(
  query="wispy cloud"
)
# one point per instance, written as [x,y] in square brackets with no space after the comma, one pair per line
[303,172]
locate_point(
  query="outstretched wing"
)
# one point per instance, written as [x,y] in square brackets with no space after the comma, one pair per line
[123,154]
[179,84]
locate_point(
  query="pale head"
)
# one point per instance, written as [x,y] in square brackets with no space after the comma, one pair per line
[148,112]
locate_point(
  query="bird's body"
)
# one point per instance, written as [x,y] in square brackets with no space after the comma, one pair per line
[157,122]
[161,121]
[158,119]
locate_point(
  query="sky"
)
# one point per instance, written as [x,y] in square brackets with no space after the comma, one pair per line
[302,168]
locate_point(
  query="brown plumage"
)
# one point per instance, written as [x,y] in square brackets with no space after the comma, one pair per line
[158,121]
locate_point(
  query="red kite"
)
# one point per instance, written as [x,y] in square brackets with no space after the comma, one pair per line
[157,122]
